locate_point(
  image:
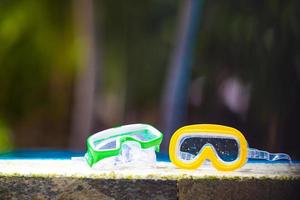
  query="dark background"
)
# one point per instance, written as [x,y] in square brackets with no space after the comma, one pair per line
[71,68]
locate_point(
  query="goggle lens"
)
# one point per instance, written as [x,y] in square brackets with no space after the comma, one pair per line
[226,148]
[143,135]
[109,144]
[106,144]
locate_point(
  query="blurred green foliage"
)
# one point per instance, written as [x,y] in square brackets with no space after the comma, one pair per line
[37,63]
[6,142]
[36,43]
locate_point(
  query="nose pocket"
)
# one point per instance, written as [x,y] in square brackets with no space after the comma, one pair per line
[130,151]
[207,153]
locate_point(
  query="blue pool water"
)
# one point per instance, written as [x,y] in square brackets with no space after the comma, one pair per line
[65,155]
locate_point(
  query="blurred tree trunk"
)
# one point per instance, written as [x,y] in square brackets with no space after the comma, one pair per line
[176,89]
[85,85]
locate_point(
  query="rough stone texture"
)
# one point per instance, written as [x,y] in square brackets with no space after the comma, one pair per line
[67,179]
[85,188]
[239,189]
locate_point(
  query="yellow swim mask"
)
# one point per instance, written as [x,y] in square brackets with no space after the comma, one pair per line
[225,147]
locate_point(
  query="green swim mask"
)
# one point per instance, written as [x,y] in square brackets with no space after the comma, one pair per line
[109,142]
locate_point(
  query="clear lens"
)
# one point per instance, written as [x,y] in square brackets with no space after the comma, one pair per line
[108,144]
[111,143]
[143,135]
[227,149]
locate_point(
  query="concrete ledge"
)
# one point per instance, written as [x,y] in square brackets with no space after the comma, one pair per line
[67,179]
[239,189]
[85,188]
